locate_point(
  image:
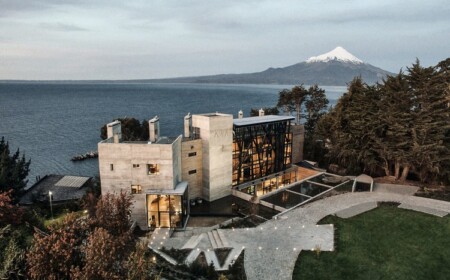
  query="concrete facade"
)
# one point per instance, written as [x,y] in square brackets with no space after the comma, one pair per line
[298,140]
[191,163]
[201,159]
[123,165]
[216,133]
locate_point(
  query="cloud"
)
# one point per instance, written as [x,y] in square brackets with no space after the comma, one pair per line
[59,26]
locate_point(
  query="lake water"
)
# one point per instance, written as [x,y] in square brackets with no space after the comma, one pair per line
[51,122]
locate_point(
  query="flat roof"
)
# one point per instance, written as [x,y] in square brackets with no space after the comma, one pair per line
[180,189]
[63,188]
[72,181]
[261,120]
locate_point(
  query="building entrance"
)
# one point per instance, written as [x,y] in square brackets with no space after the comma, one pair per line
[168,211]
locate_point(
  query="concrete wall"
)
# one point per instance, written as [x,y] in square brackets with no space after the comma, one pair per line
[190,163]
[216,133]
[123,175]
[298,140]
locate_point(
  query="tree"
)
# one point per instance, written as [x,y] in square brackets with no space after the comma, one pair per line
[431,121]
[393,144]
[267,111]
[132,130]
[14,170]
[316,104]
[102,257]
[139,264]
[293,99]
[9,213]
[13,263]
[55,255]
[397,127]
[284,101]
[96,247]
[113,214]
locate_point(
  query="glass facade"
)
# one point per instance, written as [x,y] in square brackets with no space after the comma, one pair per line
[266,185]
[169,211]
[260,150]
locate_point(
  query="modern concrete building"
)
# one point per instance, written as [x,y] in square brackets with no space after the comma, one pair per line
[215,155]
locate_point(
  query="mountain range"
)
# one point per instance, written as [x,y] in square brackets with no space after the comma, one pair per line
[335,68]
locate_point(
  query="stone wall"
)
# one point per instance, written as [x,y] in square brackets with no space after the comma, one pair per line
[122,165]
[216,133]
[298,140]
[191,162]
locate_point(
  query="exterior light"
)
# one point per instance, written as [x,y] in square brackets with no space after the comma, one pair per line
[276,248]
[259,247]
[295,249]
[50,196]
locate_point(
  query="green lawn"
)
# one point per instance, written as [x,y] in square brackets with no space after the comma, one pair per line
[385,243]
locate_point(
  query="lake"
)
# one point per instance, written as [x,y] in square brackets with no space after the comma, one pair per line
[51,122]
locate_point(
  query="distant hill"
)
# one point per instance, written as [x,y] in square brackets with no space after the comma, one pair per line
[335,68]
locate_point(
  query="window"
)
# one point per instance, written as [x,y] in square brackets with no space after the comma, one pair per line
[111,167]
[135,165]
[193,154]
[195,132]
[152,168]
[136,189]
[190,172]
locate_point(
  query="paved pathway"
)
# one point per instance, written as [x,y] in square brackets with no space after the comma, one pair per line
[272,248]
[267,265]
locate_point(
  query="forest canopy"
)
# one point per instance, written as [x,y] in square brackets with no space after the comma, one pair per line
[397,128]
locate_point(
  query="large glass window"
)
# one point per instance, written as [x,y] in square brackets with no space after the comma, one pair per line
[260,150]
[166,210]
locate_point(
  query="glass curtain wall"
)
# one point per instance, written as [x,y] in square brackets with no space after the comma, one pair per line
[166,210]
[260,150]
[267,185]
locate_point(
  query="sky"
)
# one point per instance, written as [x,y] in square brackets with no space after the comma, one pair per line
[116,39]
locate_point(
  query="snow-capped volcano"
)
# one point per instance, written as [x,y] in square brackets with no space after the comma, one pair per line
[339,54]
[335,68]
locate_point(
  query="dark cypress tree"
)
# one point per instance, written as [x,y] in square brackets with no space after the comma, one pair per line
[431,121]
[14,170]
[396,121]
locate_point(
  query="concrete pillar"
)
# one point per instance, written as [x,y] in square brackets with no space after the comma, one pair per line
[114,130]
[187,125]
[154,129]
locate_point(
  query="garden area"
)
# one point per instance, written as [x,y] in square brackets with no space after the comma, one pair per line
[385,243]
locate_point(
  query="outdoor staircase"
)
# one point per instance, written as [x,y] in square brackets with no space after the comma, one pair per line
[193,241]
[217,239]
